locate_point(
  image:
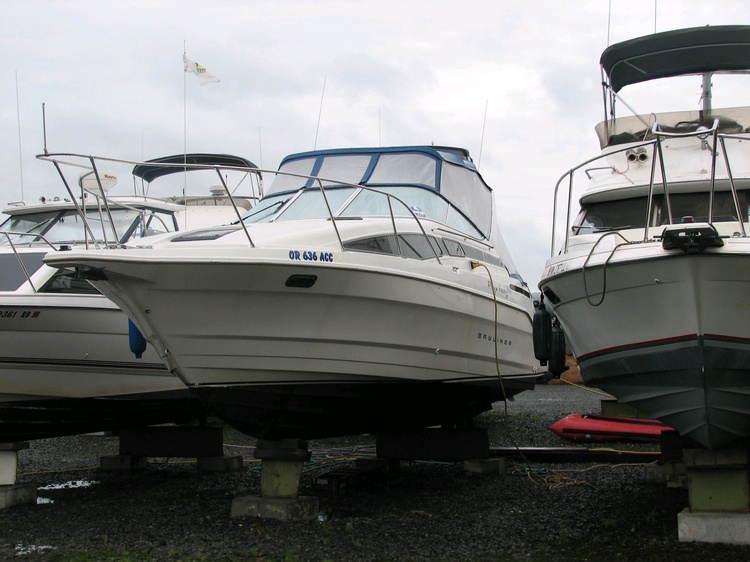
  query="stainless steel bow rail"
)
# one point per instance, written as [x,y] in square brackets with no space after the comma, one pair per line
[636,153]
[91,165]
[8,234]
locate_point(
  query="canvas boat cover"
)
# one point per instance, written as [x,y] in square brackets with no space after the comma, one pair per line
[176,164]
[677,53]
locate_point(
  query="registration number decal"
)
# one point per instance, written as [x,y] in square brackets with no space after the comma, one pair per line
[19,314]
[297,255]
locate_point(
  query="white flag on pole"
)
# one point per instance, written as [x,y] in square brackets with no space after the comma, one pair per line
[199,71]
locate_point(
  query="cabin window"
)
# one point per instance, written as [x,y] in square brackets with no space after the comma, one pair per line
[413,246]
[630,213]
[66,281]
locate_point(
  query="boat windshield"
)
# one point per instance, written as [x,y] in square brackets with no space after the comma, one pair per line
[629,213]
[67,227]
[356,202]
[437,183]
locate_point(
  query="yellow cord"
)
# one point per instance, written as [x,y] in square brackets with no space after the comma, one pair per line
[587,389]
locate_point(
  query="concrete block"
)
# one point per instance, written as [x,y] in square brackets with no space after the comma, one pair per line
[704,458]
[220,464]
[280,479]
[9,461]
[494,467]
[116,463]
[673,474]
[17,494]
[724,528]
[718,490]
[301,508]
[8,466]
[614,409]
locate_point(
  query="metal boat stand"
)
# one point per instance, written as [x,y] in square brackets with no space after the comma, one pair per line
[204,443]
[281,469]
[11,493]
[719,493]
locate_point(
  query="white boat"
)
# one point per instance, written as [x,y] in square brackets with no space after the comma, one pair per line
[382,299]
[650,281]
[66,365]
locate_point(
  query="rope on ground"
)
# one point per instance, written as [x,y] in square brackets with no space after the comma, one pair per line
[550,479]
[587,389]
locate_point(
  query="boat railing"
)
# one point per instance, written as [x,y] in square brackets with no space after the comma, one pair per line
[58,160]
[37,237]
[319,181]
[61,159]
[655,141]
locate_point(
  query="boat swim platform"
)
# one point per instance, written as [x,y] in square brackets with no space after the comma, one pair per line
[12,493]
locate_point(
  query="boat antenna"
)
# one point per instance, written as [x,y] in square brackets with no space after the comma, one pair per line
[609,21]
[260,147]
[20,145]
[320,111]
[481,143]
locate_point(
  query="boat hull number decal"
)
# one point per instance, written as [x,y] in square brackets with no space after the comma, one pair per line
[19,314]
[297,255]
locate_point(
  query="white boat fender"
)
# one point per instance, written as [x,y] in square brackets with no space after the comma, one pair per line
[137,341]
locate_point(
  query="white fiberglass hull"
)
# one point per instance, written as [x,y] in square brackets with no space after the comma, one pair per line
[66,367]
[666,334]
[355,343]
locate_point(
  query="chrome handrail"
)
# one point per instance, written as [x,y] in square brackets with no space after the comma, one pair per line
[319,181]
[8,234]
[658,137]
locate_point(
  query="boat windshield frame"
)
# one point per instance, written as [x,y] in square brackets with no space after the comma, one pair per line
[446,172]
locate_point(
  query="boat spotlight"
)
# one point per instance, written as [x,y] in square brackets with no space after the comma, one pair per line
[636,154]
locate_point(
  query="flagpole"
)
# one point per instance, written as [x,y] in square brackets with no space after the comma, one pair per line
[184,130]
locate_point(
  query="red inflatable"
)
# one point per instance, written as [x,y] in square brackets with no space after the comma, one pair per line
[577,427]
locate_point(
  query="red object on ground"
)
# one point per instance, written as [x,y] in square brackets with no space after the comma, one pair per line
[577,427]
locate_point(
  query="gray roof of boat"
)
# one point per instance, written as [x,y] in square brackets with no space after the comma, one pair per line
[696,50]
[148,171]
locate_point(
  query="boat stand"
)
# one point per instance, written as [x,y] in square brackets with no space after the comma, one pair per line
[719,495]
[281,470]
[205,444]
[11,493]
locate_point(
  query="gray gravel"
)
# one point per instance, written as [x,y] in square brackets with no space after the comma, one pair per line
[424,511]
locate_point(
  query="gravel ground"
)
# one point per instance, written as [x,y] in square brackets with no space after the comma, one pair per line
[423,511]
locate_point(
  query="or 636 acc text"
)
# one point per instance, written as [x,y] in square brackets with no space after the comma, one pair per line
[305,255]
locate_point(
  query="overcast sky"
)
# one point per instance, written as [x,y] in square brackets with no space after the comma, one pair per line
[403,72]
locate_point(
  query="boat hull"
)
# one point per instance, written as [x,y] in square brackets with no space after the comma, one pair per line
[374,343]
[666,334]
[310,411]
[66,368]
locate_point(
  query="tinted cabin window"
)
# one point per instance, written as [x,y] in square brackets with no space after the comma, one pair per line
[631,213]
[412,246]
[66,281]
